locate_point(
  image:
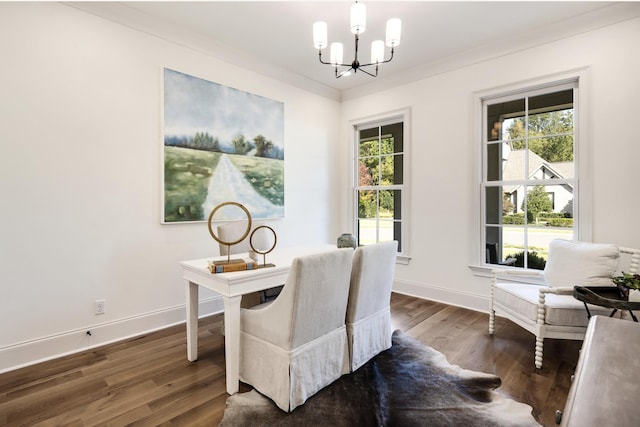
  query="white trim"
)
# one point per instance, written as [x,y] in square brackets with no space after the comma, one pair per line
[381,119]
[403,259]
[447,296]
[584,185]
[582,203]
[486,270]
[38,350]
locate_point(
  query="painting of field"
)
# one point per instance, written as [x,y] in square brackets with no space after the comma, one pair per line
[220,145]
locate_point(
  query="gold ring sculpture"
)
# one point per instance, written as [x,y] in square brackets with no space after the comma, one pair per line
[264,254]
[244,235]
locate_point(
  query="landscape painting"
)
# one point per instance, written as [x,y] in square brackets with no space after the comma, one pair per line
[220,145]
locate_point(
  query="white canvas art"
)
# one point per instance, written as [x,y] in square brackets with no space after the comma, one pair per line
[220,145]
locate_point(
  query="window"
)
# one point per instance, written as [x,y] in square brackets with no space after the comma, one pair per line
[529,179]
[380,182]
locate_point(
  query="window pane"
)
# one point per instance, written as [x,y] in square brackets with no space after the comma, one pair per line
[494,162]
[386,145]
[398,169]
[550,205]
[513,244]
[513,132]
[397,204]
[561,164]
[387,170]
[496,251]
[369,147]
[498,113]
[387,203]
[385,227]
[551,123]
[395,133]
[368,173]
[494,205]
[367,204]
[367,231]
[552,101]
[397,234]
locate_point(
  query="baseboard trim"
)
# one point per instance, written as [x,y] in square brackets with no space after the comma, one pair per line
[447,296]
[28,353]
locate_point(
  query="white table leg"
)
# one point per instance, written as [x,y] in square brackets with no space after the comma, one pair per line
[232,342]
[192,321]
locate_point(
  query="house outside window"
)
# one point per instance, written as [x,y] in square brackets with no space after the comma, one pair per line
[529,180]
[380,194]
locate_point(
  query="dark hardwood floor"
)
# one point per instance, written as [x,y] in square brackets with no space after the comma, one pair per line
[148,381]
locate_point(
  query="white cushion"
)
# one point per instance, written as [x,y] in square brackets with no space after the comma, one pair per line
[232,231]
[562,310]
[573,263]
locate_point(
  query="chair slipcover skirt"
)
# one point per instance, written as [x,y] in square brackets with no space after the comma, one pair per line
[289,378]
[369,336]
[368,311]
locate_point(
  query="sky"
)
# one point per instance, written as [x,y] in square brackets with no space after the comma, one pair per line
[195,105]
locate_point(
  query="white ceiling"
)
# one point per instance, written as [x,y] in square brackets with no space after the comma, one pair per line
[275,37]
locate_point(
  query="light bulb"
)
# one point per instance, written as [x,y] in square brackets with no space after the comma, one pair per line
[394,26]
[358,18]
[320,35]
[336,53]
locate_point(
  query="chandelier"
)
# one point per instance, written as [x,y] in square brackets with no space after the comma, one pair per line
[358,26]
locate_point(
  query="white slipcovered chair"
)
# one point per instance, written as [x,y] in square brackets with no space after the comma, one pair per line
[549,310]
[233,230]
[295,345]
[368,311]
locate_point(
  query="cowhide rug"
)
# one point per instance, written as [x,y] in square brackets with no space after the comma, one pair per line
[408,385]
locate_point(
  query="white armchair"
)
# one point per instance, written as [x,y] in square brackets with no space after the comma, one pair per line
[550,310]
[295,345]
[368,311]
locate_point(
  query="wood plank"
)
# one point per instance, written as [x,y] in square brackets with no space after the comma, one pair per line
[148,381]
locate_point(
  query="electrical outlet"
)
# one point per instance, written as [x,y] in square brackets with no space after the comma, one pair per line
[100,306]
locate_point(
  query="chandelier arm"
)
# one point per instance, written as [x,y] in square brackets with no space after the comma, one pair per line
[382,62]
[366,72]
[355,60]
[344,72]
[330,63]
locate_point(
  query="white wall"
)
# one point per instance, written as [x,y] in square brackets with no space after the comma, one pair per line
[80,141]
[443,179]
[80,169]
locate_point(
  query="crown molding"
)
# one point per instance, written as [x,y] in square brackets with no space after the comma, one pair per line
[134,19]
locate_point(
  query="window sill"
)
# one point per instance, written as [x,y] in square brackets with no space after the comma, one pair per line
[403,259]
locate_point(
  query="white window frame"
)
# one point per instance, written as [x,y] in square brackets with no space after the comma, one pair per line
[582,202]
[402,115]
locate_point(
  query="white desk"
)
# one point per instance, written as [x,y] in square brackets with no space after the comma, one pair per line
[232,286]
